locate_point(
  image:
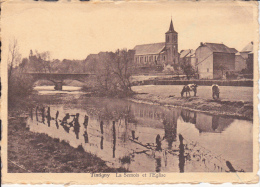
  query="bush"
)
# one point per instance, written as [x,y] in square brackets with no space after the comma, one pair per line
[19,85]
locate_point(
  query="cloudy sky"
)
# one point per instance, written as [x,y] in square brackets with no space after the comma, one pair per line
[74,30]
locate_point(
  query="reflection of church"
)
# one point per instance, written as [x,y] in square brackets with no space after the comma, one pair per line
[159,53]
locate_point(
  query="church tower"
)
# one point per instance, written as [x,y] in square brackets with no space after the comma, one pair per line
[171,45]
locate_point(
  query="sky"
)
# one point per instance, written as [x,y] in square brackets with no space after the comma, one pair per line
[74,30]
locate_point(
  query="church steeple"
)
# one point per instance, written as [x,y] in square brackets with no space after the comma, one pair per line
[171,29]
[171,44]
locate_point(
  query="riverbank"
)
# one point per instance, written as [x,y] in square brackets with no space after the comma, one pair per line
[241,109]
[39,153]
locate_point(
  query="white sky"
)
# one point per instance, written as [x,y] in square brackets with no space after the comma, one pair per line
[75,30]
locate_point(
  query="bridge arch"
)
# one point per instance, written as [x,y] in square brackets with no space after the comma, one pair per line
[58,78]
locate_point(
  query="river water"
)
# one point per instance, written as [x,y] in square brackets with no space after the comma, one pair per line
[126,134]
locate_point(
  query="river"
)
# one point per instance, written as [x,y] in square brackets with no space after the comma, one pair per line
[123,133]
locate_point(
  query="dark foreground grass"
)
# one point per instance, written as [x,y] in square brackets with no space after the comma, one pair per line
[39,153]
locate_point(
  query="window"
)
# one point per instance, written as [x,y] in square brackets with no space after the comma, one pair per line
[164,58]
[145,59]
[207,69]
[167,38]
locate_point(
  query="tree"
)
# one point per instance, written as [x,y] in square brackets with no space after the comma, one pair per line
[113,71]
[188,70]
[41,62]
[14,57]
[18,84]
[222,68]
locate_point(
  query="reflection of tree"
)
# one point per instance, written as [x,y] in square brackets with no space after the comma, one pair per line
[158,164]
[114,139]
[181,154]
[170,130]
[188,116]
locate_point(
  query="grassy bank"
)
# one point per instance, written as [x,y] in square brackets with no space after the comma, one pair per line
[236,109]
[39,153]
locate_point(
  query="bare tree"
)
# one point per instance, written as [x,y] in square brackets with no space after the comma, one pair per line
[14,57]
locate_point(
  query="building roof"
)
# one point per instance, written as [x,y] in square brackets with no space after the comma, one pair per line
[187,53]
[248,47]
[154,48]
[220,48]
[233,50]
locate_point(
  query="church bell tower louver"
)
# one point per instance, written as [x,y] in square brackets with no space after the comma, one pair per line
[171,46]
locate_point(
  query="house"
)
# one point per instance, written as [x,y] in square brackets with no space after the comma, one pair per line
[188,56]
[240,62]
[213,60]
[162,53]
[247,49]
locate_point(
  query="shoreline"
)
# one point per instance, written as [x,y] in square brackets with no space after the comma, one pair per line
[40,153]
[238,109]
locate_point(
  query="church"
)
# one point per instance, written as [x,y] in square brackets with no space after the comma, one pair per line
[158,54]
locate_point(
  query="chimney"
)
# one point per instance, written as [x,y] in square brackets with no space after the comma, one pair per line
[201,44]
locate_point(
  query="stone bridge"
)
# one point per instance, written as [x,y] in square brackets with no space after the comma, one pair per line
[58,78]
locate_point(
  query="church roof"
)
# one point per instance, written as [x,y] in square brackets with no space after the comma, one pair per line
[248,47]
[154,48]
[220,48]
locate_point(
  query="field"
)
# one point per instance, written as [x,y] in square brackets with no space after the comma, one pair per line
[231,93]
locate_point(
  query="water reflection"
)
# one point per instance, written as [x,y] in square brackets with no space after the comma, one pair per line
[206,123]
[140,135]
[85,135]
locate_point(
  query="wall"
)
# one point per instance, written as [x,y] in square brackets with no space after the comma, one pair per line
[146,60]
[204,62]
[226,60]
[171,48]
[240,63]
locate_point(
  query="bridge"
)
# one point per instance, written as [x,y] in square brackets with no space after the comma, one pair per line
[58,78]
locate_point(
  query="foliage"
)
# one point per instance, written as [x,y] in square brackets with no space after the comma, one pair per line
[112,71]
[188,70]
[19,85]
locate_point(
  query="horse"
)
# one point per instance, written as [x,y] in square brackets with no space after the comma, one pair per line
[215,91]
[188,88]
